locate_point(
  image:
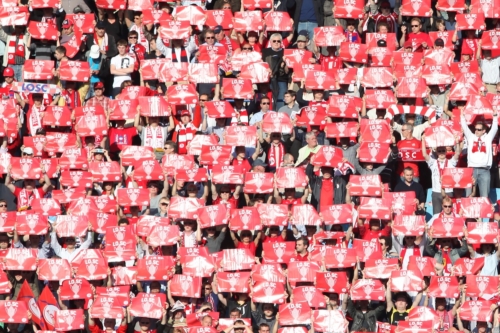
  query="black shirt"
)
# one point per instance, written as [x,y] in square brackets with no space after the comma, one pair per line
[413,187]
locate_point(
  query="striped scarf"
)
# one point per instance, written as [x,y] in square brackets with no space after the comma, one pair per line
[16,49]
[72,99]
[184,57]
[243,118]
[185,134]
[275,154]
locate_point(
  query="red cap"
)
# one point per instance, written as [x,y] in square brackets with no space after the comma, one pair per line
[185,113]
[8,72]
[98,85]
[67,23]
[408,44]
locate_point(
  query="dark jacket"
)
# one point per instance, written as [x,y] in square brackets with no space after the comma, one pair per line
[294,7]
[370,316]
[112,50]
[431,250]
[316,182]
[37,16]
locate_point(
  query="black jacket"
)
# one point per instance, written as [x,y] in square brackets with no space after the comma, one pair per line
[316,182]
[112,50]
[370,316]
[294,7]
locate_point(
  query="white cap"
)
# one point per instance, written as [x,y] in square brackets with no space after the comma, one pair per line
[94,52]
[28,150]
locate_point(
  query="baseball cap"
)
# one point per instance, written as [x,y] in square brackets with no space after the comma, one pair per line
[185,113]
[218,29]
[408,44]
[78,10]
[67,23]
[98,85]
[94,52]
[100,25]
[258,162]
[439,42]
[385,4]
[28,150]
[303,33]
[8,72]
[301,38]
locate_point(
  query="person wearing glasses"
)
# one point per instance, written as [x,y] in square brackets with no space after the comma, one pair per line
[141,31]
[213,241]
[279,71]
[479,152]
[163,208]
[416,36]
[437,163]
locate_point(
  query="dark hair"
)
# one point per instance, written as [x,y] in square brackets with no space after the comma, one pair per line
[123,42]
[480,122]
[382,24]
[303,239]
[61,49]
[291,93]
[408,169]
[263,325]
[123,220]
[388,241]
[235,310]
[416,19]
[265,97]
[171,144]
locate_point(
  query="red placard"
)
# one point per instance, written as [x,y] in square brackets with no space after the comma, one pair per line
[185,286]
[212,54]
[120,294]
[57,116]
[329,36]
[411,87]
[374,208]
[290,177]
[406,280]
[342,129]
[92,269]
[268,292]
[127,197]
[465,67]
[374,152]
[470,21]
[148,170]
[271,214]
[367,289]
[246,218]
[120,243]
[174,30]
[482,233]
[338,214]
[254,4]
[375,130]
[69,194]
[329,320]
[37,143]
[11,16]
[373,38]
[74,71]
[222,17]
[204,71]
[173,163]
[111,4]
[154,268]
[43,30]
[83,22]
[46,206]
[184,208]
[481,286]
[466,266]
[476,207]
[199,140]
[408,225]
[67,320]
[182,94]
[38,70]
[92,125]
[155,106]
[146,305]
[278,21]
[415,326]
[320,80]
[196,261]
[268,272]
[278,252]
[124,276]
[294,314]
[105,171]
[447,227]
[439,136]
[416,8]
[294,57]
[349,9]
[276,122]
[220,109]
[105,203]
[177,71]
[408,58]
[377,77]
[380,56]
[76,289]
[446,36]
[328,156]
[71,226]
[76,178]
[335,282]
[423,264]
[106,307]
[457,178]
[211,216]
[369,185]
[302,271]
[227,174]
[150,68]
[248,21]
[164,235]
[215,154]
[193,14]
[133,154]
[476,311]
[380,268]
[237,88]
[192,175]
[338,258]
[258,182]
[14,312]
[54,269]
[8,221]
[146,222]
[367,249]
[353,52]
[241,136]
[236,282]
[444,286]
[73,158]
[344,106]
[486,7]
[25,168]
[155,16]
[379,98]
[31,224]
[305,214]
[450,6]
[311,115]
[258,72]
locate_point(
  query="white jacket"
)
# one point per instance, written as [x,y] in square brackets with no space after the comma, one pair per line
[479,159]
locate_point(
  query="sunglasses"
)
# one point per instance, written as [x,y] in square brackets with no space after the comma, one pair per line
[447,206]
[276,41]
[209,37]
[247,49]
[478,129]
[203,100]
[441,151]
[132,38]
[225,191]
[414,26]
[264,103]
[3,205]
[208,288]
[164,204]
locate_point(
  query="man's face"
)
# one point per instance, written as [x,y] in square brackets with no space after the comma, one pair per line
[29,184]
[382,244]
[264,105]
[301,44]
[203,99]
[169,150]
[210,39]
[401,303]
[3,207]
[100,32]
[415,27]
[144,323]
[264,330]
[138,20]
[132,40]
[288,99]
[234,315]
[220,35]
[153,189]
[122,49]
[312,141]
[206,322]
[275,137]
[350,27]
[300,247]
[410,240]
[383,29]
[447,207]
[68,31]
[98,91]
[9,79]
[408,175]
[479,130]
[276,43]
[4,243]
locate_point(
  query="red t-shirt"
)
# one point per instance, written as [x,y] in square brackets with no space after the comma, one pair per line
[250,246]
[276,239]
[24,197]
[367,234]
[120,137]
[329,62]
[413,143]
[244,163]
[419,38]
[298,257]
[231,203]
[327,194]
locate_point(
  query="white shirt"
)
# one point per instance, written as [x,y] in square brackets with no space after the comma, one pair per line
[121,62]
[491,70]
[64,253]
[490,264]
[434,165]
[479,159]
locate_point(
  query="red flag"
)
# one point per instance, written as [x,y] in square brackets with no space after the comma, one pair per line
[48,308]
[26,294]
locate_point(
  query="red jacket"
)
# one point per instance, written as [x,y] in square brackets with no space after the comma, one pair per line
[98,328]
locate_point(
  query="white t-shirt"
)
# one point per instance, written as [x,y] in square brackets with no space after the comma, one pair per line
[434,165]
[121,62]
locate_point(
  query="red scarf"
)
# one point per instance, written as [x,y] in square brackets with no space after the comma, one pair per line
[72,99]
[479,146]
[185,134]
[243,118]
[441,170]
[275,155]
[16,48]
[446,261]
[24,199]
[104,45]
[34,121]
[183,58]
[416,252]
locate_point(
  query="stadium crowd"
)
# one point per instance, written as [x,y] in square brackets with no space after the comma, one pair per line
[241,166]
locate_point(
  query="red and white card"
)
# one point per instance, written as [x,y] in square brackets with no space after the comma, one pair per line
[148,170]
[374,152]
[329,320]
[481,286]
[227,174]
[72,226]
[105,171]
[377,77]
[294,314]
[174,30]
[8,221]
[375,130]
[258,182]
[241,136]
[278,21]
[127,197]
[373,38]
[439,136]
[450,6]
[328,156]
[222,17]
[344,106]
[415,326]
[476,311]
[92,269]
[290,177]
[406,280]
[211,216]
[255,4]
[111,4]
[302,271]
[185,286]
[199,140]
[76,289]
[215,154]
[354,52]
[83,22]
[295,57]
[486,7]
[184,208]
[336,257]
[457,178]
[269,292]
[43,30]
[177,71]
[237,88]
[423,264]
[220,109]
[272,214]
[447,227]
[155,16]
[182,94]
[369,185]
[379,98]
[268,273]
[163,235]
[150,68]
[14,312]
[68,320]
[45,206]
[106,306]
[193,14]
[278,252]
[377,208]
[120,243]
[305,214]
[235,282]
[367,249]
[380,268]
[154,268]
[479,207]
[342,129]
[57,116]
[332,282]
[54,269]
[155,106]
[420,8]
[329,36]
[408,225]
[368,289]
[482,233]
[25,168]
[470,21]
[466,266]
[73,158]
[338,214]
[76,178]
[133,154]
[248,21]
[196,261]
[147,305]
[277,122]
[38,70]
[320,80]
[258,72]
[31,224]
[436,74]
[37,143]
[78,71]
[192,175]
[246,218]
[411,87]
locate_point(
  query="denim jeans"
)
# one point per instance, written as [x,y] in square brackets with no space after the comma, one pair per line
[18,72]
[283,87]
[309,26]
[483,178]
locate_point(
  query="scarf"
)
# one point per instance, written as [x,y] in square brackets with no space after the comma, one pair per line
[185,134]
[402,256]
[24,199]
[141,38]
[183,58]
[16,48]
[104,45]
[479,146]
[154,137]
[34,119]
[50,20]
[229,45]
[446,262]
[72,99]
[446,321]
[275,154]
[441,170]
[243,117]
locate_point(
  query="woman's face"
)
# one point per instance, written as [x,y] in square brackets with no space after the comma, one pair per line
[441,27]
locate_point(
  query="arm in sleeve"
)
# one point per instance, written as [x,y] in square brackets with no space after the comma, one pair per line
[464,249]
[88,241]
[4,37]
[467,132]
[55,244]
[494,129]
[299,98]
[160,46]
[430,248]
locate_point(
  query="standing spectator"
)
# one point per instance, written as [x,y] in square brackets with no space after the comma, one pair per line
[122,66]
[16,49]
[490,67]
